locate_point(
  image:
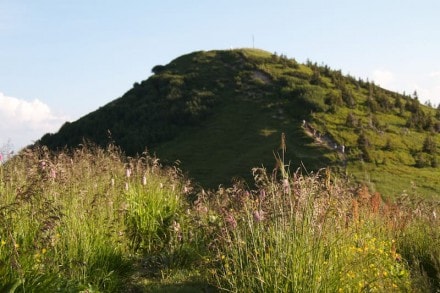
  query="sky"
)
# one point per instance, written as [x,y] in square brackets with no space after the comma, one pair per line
[61,59]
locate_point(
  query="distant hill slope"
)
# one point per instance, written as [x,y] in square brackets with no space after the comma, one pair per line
[223,112]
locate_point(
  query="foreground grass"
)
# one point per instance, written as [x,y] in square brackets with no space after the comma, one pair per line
[93,220]
[82,221]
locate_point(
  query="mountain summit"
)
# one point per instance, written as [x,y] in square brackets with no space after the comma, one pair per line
[220,113]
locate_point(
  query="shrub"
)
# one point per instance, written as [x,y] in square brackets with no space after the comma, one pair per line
[422,160]
[158,69]
[429,145]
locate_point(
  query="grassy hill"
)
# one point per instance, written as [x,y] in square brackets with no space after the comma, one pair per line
[220,113]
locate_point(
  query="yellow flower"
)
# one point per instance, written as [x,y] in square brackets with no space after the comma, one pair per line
[3,242]
[16,245]
[44,250]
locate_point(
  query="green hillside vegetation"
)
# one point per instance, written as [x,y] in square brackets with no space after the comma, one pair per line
[95,220]
[220,113]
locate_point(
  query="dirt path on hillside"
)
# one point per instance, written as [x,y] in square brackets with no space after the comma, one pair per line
[325,140]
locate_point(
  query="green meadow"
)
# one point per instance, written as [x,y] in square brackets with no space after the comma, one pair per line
[92,219]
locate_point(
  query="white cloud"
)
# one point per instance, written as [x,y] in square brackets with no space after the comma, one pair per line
[426,85]
[23,122]
[384,78]
[435,74]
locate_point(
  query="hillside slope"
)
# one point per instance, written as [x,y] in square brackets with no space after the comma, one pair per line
[220,113]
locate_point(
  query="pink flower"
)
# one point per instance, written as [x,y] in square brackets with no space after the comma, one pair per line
[286,185]
[128,172]
[258,215]
[230,220]
[53,173]
[262,194]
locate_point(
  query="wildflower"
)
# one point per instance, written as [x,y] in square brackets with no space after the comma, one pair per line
[258,215]
[144,180]
[44,250]
[128,172]
[212,218]
[286,185]
[53,173]
[176,227]
[262,194]
[177,230]
[230,220]
[3,242]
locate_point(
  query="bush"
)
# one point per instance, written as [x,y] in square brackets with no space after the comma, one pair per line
[429,145]
[158,69]
[422,160]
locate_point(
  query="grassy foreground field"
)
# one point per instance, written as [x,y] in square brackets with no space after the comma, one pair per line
[94,220]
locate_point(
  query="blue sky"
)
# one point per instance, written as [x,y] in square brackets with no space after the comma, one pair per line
[61,59]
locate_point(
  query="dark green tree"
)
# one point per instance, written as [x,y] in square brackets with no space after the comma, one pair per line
[334,100]
[351,120]
[388,145]
[374,122]
[429,145]
[372,104]
[347,97]
[316,77]
[364,146]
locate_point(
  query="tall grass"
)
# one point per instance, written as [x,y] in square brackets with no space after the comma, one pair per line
[305,237]
[76,221]
[315,233]
[92,220]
